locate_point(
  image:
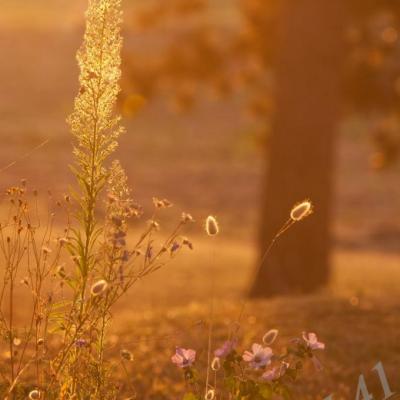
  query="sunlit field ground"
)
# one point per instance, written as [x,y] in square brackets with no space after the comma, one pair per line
[189,160]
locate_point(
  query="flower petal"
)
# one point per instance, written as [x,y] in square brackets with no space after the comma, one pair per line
[248,356]
[256,347]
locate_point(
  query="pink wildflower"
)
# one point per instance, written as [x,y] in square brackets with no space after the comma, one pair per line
[312,341]
[270,375]
[226,349]
[258,356]
[183,358]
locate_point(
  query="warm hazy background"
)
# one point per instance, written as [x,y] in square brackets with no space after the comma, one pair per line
[205,161]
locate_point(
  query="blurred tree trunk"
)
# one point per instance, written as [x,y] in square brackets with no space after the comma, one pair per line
[308,63]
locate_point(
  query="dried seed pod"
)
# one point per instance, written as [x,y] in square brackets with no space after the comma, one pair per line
[270,336]
[216,364]
[126,355]
[35,394]
[210,395]
[301,210]
[99,288]
[212,227]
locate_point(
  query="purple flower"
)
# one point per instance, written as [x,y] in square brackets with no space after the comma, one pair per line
[183,358]
[175,246]
[125,256]
[271,374]
[312,341]
[275,372]
[149,252]
[81,343]
[258,356]
[225,349]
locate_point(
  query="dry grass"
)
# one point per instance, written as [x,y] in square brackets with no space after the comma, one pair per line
[357,316]
[359,326]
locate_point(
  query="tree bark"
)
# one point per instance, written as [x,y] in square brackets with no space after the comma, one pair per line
[308,64]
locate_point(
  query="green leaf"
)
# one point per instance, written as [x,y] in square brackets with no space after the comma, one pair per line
[190,396]
[265,391]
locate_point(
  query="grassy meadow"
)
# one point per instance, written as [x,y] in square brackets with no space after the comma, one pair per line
[206,162]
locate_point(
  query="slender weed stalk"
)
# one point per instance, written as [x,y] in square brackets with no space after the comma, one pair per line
[212,230]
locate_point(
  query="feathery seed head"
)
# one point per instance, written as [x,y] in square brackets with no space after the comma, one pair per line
[188,243]
[270,336]
[63,240]
[212,227]
[301,210]
[99,288]
[154,225]
[210,395]
[126,355]
[46,250]
[216,364]
[187,217]
[161,203]
[35,395]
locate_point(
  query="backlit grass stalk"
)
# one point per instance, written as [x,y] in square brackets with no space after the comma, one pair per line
[94,123]
[212,230]
[298,212]
[96,127]
[25,251]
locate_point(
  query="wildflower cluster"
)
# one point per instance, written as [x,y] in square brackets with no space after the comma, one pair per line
[74,277]
[259,373]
